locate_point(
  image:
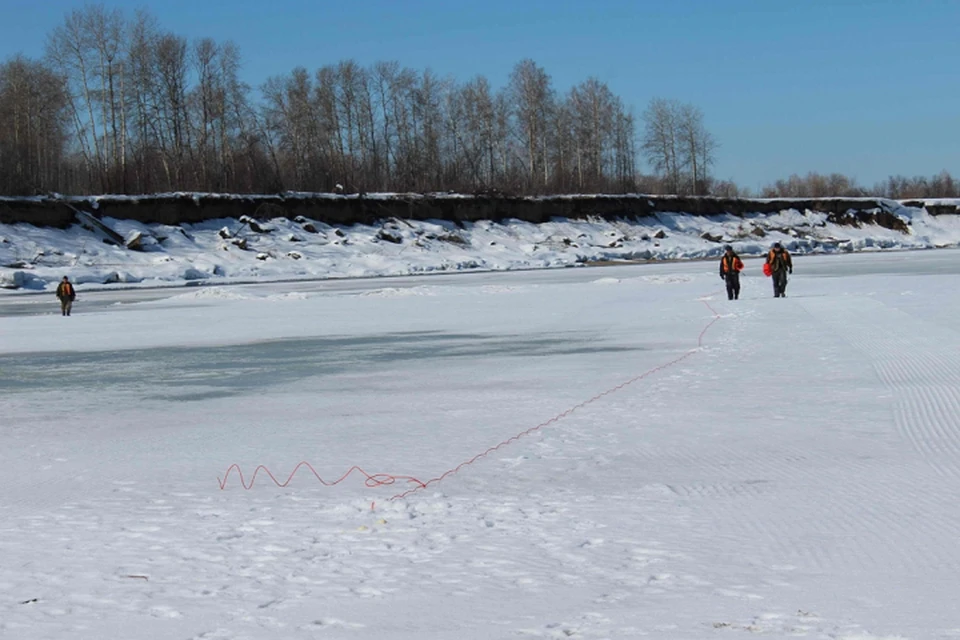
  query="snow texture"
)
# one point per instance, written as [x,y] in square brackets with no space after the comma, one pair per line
[690,467]
[245,250]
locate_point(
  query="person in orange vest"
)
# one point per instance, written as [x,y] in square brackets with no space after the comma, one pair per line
[730,267]
[780,265]
[67,294]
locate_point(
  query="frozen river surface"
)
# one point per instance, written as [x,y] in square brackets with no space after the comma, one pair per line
[690,467]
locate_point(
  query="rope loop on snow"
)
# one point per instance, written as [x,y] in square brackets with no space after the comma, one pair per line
[370,479]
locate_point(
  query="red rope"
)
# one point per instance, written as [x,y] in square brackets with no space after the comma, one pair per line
[564,414]
[372,480]
[384,479]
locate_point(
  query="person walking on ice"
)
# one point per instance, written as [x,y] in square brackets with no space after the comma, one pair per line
[780,265]
[730,267]
[67,294]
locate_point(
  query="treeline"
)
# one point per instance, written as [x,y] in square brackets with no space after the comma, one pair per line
[815,185]
[390,128]
[120,105]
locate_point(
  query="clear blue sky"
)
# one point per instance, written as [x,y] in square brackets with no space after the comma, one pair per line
[867,88]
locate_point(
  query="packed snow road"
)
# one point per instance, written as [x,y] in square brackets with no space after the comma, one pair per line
[795,476]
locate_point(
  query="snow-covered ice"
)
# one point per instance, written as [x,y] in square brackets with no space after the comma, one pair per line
[793,475]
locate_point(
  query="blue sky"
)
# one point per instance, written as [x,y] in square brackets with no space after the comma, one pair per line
[867,88]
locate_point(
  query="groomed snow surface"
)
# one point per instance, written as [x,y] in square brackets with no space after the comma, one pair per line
[773,467]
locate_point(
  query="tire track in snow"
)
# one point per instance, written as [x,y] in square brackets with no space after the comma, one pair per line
[908,356]
[799,517]
[904,512]
[831,499]
[737,492]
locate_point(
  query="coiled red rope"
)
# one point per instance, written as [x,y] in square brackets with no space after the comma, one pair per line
[386,479]
[371,480]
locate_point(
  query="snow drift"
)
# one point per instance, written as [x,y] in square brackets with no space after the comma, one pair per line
[101,251]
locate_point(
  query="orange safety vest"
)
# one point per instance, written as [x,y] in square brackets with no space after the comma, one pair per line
[783,258]
[731,263]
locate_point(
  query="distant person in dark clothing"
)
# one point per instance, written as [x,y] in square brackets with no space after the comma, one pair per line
[730,267]
[780,265]
[67,294]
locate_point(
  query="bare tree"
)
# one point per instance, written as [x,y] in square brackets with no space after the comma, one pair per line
[71,53]
[661,141]
[943,185]
[624,149]
[697,145]
[33,120]
[486,125]
[531,96]
[89,50]
[172,124]
[429,108]
[385,76]
[239,129]
[814,185]
[142,82]
[678,145]
[729,189]
[206,104]
[593,109]
[292,119]
[106,30]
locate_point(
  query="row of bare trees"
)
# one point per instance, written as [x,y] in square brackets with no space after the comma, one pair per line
[678,146]
[119,104]
[146,109]
[391,128]
[33,126]
[816,185]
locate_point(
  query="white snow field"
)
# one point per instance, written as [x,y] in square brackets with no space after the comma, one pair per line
[775,467]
